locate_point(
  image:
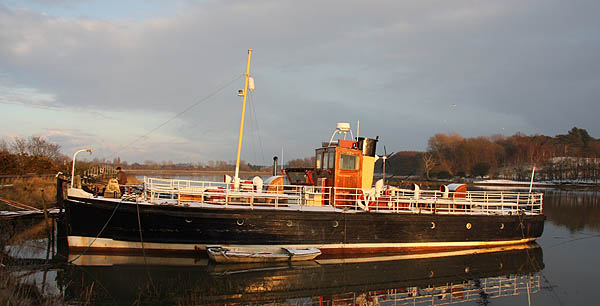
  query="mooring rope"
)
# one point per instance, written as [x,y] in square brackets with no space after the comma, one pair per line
[100,233]
[137,208]
[536,265]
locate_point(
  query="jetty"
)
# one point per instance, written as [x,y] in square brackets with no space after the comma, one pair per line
[25,210]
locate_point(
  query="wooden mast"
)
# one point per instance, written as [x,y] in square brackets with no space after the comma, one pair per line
[245,93]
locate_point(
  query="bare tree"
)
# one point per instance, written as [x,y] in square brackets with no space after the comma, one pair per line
[4,147]
[19,146]
[35,146]
[38,146]
[428,163]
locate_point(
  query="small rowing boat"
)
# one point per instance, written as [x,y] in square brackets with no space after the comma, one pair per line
[221,254]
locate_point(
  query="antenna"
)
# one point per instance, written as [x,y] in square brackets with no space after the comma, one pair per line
[341,127]
[383,159]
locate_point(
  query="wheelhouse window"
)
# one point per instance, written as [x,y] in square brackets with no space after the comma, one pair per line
[331,160]
[318,160]
[348,162]
[325,159]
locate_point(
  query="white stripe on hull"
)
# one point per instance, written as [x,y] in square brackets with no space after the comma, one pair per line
[110,259]
[80,242]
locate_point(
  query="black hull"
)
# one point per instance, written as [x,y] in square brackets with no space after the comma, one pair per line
[330,231]
[256,284]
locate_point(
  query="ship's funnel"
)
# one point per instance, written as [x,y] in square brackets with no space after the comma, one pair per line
[367,145]
[274,165]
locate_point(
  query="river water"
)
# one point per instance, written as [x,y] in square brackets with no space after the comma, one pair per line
[561,269]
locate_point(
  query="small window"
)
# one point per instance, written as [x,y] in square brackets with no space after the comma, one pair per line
[318,160]
[325,160]
[331,160]
[348,162]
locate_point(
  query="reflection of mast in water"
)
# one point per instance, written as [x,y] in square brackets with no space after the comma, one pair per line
[413,279]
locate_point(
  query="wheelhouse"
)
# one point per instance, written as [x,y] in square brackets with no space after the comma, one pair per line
[343,163]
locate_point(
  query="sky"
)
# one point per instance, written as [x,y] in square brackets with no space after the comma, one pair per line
[158,80]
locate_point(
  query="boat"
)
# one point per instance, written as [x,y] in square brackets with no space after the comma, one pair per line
[333,206]
[221,254]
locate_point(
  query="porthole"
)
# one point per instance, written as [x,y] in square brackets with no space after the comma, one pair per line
[240,222]
[501,225]
[467,270]
[432,225]
[469,226]
[188,220]
[336,223]
[289,223]
[431,274]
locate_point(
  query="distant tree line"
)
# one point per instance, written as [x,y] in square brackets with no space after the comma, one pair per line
[38,155]
[211,165]
[307,162]
[572,156]
[566,157]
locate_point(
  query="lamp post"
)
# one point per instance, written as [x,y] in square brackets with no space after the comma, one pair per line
[73,170]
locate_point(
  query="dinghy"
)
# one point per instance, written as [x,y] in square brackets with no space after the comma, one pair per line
[244,255]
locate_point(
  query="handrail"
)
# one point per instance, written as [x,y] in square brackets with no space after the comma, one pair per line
[389,199]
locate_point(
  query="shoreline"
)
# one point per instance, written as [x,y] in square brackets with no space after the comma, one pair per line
[557,186]
[191,172]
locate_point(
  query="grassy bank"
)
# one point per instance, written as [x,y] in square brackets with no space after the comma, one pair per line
[33,191]
[18,290]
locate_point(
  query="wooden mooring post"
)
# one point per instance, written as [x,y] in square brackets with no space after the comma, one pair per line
[49,228]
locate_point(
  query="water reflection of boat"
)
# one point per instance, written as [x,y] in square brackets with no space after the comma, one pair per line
[429,279]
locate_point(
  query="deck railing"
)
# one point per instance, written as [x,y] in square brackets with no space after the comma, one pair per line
[384,200]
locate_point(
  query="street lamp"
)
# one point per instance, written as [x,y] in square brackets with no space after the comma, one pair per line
[73,170]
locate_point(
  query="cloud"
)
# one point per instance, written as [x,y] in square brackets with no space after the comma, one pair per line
[510,66]
[27,96]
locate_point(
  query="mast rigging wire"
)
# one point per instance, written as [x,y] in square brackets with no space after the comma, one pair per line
[219,89]
[262,152]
